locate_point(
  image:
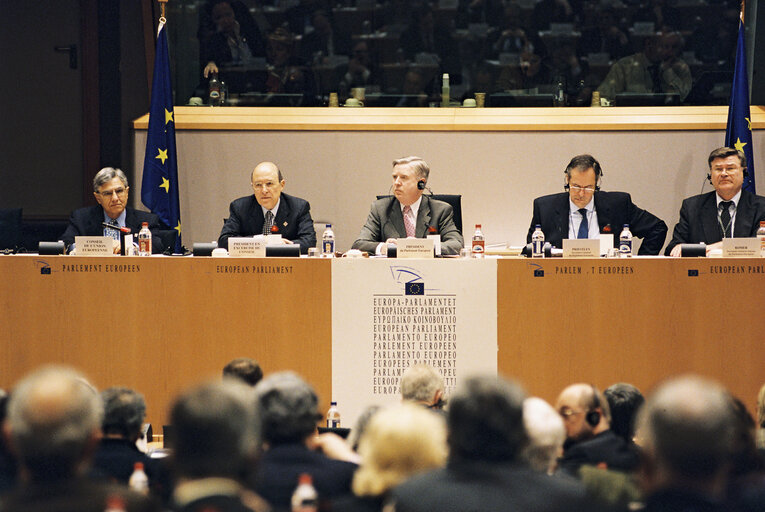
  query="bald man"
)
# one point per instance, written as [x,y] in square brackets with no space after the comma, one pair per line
[269,210]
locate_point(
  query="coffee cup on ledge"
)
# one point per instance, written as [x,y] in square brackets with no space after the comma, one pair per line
[469,103]
[353,102]
[196,101]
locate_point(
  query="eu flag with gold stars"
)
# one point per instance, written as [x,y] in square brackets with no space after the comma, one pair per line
[159,190]
[739,132]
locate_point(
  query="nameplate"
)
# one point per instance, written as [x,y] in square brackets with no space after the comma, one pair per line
[128,249]
[414,248]
[741,247]
[247,247]
[274,239]
[95,245]
[606,242]
[581,248]
[436,243]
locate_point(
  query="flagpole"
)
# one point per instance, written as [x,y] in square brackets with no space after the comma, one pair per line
[162,4]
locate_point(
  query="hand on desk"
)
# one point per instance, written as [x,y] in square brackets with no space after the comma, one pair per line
[334,447]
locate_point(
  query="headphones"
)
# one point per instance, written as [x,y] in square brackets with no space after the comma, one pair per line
[593,417]
[421,185]
[583,162]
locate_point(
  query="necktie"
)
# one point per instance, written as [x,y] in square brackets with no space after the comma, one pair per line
[408,221]
[268,223]
[584,229]
[725,218]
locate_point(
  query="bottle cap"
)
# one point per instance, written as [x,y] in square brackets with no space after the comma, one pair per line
[137,466]
[626,225]
[477,226]
[333,403]
[144,224]
[329,225]
[305,478]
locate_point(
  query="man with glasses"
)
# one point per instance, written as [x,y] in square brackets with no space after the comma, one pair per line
[269,211]
[584,211]
[727,212]
[110,188]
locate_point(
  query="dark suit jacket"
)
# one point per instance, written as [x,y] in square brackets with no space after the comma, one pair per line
[614,209]
[605,448]
[115,459]
[488,486]
[386,221]
[293,220]
[698,219]
[88,222]
[281,465]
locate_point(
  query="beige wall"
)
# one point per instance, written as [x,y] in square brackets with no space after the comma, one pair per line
[498,173]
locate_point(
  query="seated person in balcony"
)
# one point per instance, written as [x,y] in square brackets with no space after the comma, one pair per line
[657,69]
[361,71]
[423,35]
[324,41]
[409,214]
[268,211]
[604,36]
[236,41]
[110,188]
[287,73]
[533,72]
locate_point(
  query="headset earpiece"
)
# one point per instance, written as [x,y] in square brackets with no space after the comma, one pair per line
[421,185]
[593,417]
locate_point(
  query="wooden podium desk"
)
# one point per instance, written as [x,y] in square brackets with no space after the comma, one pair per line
[161,324]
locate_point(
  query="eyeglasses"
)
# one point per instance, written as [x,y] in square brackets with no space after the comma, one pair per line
[587,190]
[729,170]
[567,413]
[109,193]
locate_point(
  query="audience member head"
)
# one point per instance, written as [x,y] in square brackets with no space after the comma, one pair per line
[726,171]
[267,184]
[485,420]
[546,433]
[686,428]
[398,443]
[244,369]
[287,408]
[582,175]
[223,16]
[281,44]
[584,410]
[215,432]
[744,457]
[110,188]
[357,432]
[624,400]
[410,174]
[124,412]
[53,423]
[422,384]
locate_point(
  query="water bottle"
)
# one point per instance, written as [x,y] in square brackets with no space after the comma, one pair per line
[625,242]
[305,498]
[328,242]
[478,242]
[538,242]
[333,416]
[144,240]
[214,90]
[445,92]
[139,482]
[560,96]
[761,236]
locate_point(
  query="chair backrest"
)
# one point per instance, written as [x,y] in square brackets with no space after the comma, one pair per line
[10,228]
[455,200]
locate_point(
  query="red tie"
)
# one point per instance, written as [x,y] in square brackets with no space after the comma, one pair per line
[408,221]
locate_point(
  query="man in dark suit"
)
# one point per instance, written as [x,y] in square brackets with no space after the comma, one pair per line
[583,211]
[727,212]
[485,471]
[409,213]
[110,187]
[269,211]
[589,438]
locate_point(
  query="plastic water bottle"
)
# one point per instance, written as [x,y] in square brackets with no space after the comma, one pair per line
[445,91]
[538,242]
[305,498]
[328,242]
[761,236]
[139,482]
[625,242]
[478,242]
[333,416]
[144,240]
[214,90]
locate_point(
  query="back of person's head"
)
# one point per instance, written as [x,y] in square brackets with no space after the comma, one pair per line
[744,456]
[624,400]
[245,369]
[485,420]
[361,426]
[686,427]
[399,442]
[54,418]
[420,382]
[124,412]
[286,408]
[214,430]
[546,433]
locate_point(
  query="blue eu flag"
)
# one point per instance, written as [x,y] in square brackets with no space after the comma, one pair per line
[739,132]
[415,288]
[159,190]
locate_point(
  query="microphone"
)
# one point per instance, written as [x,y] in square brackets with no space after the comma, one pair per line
[126,230]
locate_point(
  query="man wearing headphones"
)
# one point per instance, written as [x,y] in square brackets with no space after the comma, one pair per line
[589,438]
[408,213]
[727,212]
[583,211]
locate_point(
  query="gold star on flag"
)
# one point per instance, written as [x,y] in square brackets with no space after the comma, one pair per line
[178,228]
[168,116]
[739,145]
[165,184]
[748,123]
[162,155]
